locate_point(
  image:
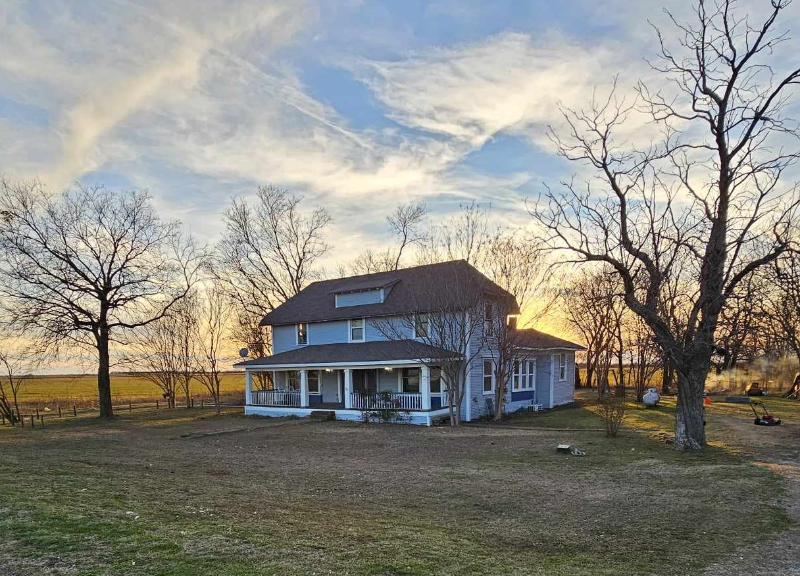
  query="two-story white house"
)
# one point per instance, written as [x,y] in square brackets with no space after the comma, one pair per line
[331,351]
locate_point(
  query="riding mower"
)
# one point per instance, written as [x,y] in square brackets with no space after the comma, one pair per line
[764,418]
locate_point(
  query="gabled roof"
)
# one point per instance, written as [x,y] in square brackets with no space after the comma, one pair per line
[418,289]
[378,351]
[536,340]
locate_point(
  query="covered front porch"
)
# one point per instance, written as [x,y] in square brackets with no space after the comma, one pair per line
[408,387]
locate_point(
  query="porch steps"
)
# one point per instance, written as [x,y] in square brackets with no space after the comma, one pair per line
[322,415]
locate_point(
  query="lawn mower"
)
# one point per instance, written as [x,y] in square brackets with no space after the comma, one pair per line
[764,418]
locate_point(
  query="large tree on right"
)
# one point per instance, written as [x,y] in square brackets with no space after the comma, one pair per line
[706,202]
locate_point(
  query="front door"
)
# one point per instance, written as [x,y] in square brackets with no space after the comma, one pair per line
[365,381]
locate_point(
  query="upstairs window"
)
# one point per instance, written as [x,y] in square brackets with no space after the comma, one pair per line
[488,376]
[488,318]
[357,330]
[421,326]
[562,366]
[302,334]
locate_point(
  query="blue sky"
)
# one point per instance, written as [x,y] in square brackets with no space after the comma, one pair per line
[356,105]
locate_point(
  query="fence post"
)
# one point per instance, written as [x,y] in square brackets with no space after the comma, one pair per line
[191,403]
[59,411]
[74,410]
[32,422]
[201,402]
[156,404]
[21,419]
[37,415]
[130,407]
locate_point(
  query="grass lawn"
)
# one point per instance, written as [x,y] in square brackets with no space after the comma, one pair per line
[183,492]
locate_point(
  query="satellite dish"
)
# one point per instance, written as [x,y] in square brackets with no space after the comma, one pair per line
[244,352]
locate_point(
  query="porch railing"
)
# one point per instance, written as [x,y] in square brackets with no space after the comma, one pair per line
[387,401]
[275,398]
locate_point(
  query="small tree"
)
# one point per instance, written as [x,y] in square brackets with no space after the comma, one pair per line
[16,364]
[153,354]
[592,307]
[210,336]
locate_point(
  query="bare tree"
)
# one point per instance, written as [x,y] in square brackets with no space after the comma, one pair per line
[516,264]
[85,267]
[268,253]
[153,354]
[16,362]
[453,321]
[593,307]
[211,333]
[699,197]
[465,236]
[782,304]
[645,356]
[404,224]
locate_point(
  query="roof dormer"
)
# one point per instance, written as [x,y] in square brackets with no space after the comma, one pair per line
[360,293]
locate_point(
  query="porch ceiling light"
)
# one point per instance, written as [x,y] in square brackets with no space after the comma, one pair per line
[388,368]
[328,369]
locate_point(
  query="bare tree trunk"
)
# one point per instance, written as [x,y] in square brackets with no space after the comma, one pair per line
[690,431]
[104,376]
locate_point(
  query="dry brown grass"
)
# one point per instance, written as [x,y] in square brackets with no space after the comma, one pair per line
[185,493]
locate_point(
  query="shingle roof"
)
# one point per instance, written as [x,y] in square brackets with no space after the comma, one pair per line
[530,338]
[379,351]
[419,289]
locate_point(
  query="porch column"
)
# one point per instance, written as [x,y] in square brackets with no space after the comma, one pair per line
[304,388]
[425,387]
[348,387]
[248,388]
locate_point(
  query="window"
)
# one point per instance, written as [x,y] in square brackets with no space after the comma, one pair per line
[524,375]
[302,334]
[488,376]
[409,380]
[421,326]
[313,381]
[357,330]
[293,380]
[562,366]
[436,380]
[488,316]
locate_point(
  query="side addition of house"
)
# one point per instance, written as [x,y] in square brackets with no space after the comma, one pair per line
[359,343]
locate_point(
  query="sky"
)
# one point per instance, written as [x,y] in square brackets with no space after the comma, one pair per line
[355,105]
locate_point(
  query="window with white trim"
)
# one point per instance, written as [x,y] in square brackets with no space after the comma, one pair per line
[421,326]
[314,378]
[302,334]
[524,375]
[562,366]
[409,380]
[357,330]
[488,376]
[292,380]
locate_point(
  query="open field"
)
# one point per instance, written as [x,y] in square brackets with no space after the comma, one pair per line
[183,492]
[81,389]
